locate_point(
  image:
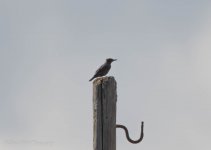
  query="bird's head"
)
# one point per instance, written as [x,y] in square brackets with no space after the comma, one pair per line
[110,60]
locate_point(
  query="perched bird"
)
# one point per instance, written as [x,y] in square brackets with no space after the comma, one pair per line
[104,69]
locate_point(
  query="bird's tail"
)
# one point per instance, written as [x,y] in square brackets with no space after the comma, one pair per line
[92,78]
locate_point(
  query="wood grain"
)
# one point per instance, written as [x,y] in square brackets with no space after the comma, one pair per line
[104,113]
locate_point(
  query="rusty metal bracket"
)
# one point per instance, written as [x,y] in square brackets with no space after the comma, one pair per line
[127,134]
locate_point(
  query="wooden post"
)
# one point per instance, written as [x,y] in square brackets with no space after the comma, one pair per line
[104,113]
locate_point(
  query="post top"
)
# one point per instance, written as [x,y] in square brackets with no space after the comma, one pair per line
[103,79]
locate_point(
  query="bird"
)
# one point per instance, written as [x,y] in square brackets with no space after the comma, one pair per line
[104,69]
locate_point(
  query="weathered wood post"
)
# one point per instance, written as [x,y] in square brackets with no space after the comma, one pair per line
[104,112]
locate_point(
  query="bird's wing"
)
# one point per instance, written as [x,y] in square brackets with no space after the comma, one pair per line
[103,70]
[100,68]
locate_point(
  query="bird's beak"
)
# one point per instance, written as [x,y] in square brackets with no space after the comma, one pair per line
[114,59]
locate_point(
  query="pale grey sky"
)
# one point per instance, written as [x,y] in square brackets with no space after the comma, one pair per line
[50,49]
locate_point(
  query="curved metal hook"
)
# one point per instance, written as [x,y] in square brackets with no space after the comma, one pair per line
[127,134]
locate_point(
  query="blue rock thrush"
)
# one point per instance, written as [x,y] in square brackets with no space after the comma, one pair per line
[104,69]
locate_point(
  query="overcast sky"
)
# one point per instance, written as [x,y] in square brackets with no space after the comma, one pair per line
[49,49]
